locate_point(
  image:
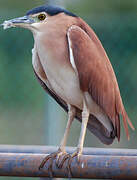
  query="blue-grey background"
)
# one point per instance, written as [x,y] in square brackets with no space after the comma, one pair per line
[27,115]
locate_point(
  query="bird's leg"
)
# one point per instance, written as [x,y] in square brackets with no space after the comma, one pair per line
[85,117]
[71,116]
[61,151]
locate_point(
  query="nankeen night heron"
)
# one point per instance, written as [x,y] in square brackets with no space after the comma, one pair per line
[71,64]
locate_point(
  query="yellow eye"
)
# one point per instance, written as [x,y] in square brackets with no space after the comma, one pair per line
[42,17]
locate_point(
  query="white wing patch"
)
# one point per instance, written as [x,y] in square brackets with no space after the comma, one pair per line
[70,51]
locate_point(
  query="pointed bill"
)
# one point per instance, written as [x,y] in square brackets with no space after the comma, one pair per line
[17,22]
[7,24]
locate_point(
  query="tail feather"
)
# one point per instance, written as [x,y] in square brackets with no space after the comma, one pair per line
[129,122]
[124,116]
[121,111]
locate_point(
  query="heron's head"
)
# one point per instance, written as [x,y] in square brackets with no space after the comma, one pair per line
[36,17]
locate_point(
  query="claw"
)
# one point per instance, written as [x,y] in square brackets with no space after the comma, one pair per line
[61,159]
[75,154]
[52,156]
[50,168]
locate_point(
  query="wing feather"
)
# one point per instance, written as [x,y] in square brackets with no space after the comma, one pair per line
[96,75]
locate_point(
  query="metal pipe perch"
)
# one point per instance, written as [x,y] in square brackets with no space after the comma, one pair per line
[50,149]
[23,161]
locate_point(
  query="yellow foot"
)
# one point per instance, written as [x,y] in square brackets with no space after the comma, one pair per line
[77,154]
[51,158]
[60,157]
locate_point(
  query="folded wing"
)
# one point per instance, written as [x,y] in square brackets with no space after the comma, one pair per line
[96,75]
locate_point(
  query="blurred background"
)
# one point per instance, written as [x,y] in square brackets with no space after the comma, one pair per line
[28,116]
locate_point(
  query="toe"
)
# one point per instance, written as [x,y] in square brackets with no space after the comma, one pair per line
[62,157]
[75,154]
[52,156]
[78,157]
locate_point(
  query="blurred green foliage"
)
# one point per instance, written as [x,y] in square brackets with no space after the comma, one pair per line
[87,7]
[22,100]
